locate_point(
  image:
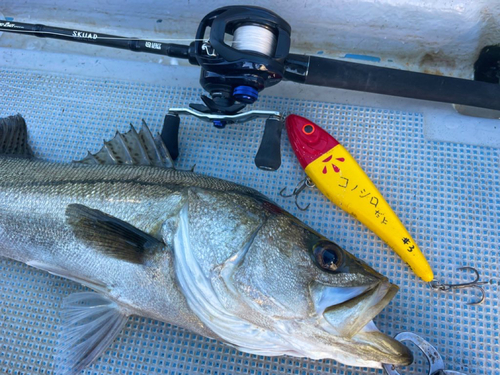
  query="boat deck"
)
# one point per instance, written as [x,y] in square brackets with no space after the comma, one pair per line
[440,174]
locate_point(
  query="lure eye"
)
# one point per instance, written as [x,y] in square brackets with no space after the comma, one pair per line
[308,129]
[328,256]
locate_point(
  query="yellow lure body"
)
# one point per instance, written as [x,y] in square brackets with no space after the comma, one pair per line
[337,175]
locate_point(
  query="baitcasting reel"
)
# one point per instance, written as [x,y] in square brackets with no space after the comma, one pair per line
[247,50]
[254,60]
[234,74]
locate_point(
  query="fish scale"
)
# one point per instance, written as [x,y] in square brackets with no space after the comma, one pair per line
[174,246]
[67,188]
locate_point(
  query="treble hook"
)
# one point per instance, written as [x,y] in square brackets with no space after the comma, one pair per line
[436,285]
[305,182]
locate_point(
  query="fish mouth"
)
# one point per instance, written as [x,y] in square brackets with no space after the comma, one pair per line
[350,315]
[353,314]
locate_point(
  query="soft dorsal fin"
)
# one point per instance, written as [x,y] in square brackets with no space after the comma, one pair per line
[110,235]
[90,323]
[14,137]
[132,148]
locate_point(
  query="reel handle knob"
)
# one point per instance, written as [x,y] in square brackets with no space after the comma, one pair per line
[170,134]
[268,156]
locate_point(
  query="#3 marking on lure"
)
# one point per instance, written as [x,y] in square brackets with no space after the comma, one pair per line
[337,175]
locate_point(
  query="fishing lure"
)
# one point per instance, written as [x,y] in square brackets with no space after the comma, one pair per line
[337,175]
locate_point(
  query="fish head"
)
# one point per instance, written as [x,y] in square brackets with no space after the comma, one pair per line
[320,299]
[266,283]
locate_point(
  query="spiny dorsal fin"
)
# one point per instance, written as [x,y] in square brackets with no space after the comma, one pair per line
[110,235]
[14,137]
[132,148]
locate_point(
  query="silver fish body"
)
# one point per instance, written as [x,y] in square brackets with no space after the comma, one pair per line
[34,196]
[215,257]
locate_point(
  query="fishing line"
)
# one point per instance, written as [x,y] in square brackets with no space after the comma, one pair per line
[254,38]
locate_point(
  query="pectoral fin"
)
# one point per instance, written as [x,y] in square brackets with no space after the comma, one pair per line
[110,235]
[90,322]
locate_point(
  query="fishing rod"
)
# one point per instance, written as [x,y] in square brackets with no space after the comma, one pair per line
[259,57]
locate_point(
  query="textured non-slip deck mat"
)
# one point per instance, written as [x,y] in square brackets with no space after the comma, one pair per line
[446,194]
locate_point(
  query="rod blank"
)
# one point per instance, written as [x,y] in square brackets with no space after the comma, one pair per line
[320,71]
[89,37]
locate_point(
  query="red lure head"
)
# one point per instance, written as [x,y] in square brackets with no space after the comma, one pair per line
[308,140]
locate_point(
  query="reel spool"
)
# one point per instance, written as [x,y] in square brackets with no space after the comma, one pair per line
[254,38]
[255,60]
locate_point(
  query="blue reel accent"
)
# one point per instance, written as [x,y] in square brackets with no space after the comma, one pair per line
[245,94]
[220,124]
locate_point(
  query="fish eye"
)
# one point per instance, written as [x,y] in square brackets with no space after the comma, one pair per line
[328,256]
[308,129]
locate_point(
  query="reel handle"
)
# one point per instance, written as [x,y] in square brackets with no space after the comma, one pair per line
[268,156]
[170,134]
